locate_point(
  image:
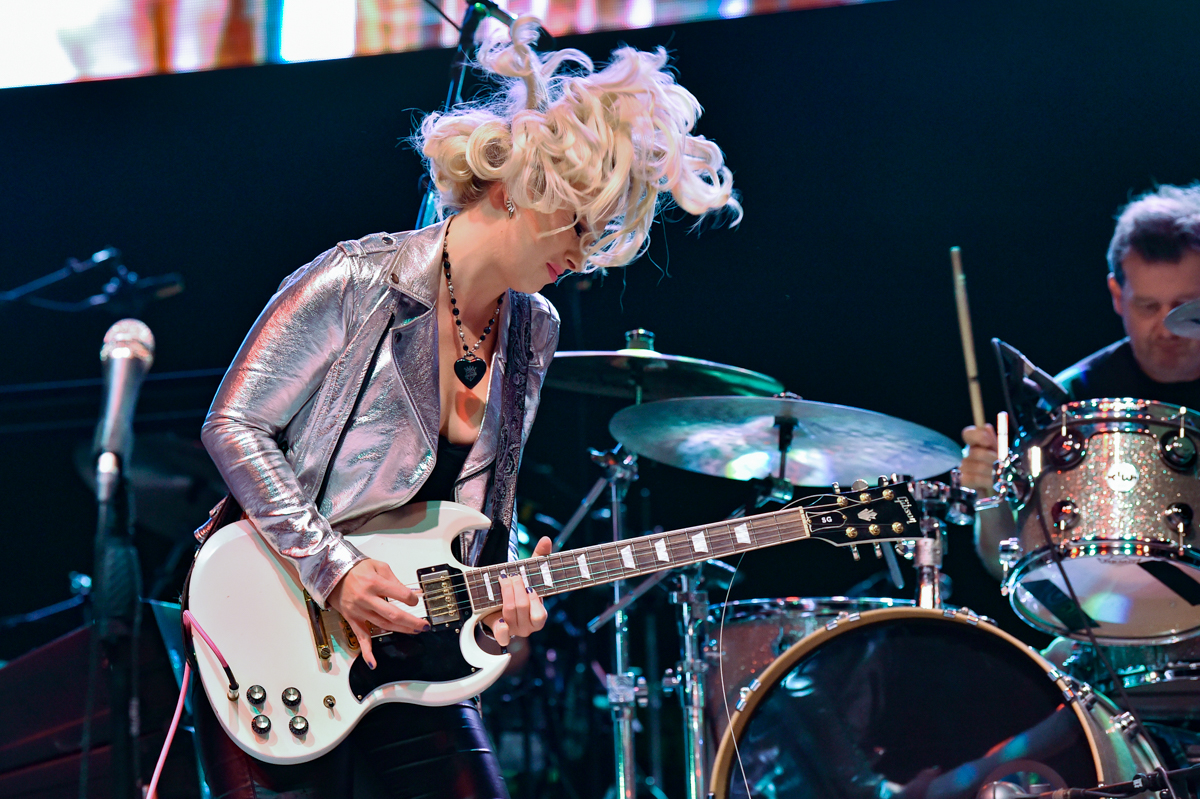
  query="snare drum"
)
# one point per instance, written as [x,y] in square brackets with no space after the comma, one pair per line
[1111,485]
[939,701]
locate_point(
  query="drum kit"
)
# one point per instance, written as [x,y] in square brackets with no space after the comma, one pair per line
[879,697]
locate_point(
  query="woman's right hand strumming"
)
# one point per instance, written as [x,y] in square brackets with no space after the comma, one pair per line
[362,597]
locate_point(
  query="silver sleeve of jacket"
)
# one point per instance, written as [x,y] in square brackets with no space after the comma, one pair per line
[277,369]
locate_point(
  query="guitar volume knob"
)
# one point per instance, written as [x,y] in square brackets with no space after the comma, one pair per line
[260,724]
[298,725]
[291,697]
[256,695]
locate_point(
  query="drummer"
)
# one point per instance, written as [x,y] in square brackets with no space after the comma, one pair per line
[1154,266]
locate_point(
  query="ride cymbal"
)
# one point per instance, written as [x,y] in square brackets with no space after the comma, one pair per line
[739,438]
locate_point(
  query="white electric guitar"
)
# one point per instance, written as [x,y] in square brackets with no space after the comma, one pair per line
[305,686]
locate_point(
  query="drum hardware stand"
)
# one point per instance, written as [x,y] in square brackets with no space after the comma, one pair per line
[937,503]
[688,677]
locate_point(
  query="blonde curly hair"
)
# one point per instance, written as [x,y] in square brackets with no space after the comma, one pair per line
[603,145]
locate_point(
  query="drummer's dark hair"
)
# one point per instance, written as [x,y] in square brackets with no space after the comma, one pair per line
[1159,225]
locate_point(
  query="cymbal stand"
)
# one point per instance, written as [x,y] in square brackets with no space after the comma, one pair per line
[937,503]
[626,690]
[688,677]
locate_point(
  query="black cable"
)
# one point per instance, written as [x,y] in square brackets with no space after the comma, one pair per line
[442,13]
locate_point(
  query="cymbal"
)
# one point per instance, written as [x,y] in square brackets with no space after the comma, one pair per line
[1184,320]
[617,373]
[737,437]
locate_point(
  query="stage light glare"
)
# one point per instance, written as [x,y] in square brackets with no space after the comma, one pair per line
[315,30]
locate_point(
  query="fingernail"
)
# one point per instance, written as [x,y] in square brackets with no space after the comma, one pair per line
[503,574]
[501,620]
[528,590]
[427,627]
[372,665]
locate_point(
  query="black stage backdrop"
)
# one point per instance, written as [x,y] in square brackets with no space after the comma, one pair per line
[865,141]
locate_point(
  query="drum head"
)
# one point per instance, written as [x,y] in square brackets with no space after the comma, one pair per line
[910,698]
[1148,598]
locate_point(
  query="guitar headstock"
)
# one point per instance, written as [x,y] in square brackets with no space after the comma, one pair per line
[868,515]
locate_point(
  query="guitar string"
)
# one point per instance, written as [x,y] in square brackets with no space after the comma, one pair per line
[606,564]
[796,520]
[643,548]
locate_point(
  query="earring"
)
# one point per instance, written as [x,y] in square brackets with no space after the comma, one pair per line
[512,209]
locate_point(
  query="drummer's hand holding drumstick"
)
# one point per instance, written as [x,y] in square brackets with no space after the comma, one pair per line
[979,462]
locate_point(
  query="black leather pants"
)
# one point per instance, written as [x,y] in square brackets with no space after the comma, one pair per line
[396,752]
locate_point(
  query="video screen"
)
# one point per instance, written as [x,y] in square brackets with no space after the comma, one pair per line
[60,41]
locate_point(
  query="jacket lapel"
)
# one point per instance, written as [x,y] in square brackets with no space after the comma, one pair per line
[484,451]
[414,333]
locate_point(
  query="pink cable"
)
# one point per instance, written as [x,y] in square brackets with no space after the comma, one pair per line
[162,757]
[189,621]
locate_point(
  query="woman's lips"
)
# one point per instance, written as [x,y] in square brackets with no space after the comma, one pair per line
[554,271]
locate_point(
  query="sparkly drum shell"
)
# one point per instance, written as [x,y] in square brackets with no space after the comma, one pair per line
[747,636]
[1121,487]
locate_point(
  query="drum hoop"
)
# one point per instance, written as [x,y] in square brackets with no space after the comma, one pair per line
[1123,409]
[785,662]
[1041,557]
[747,609]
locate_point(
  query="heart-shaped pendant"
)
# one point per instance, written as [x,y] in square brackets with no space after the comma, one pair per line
[470,371]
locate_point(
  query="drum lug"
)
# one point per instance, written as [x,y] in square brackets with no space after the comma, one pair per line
[1123,723]
[1064,514]
[1010,554]
[1066,450]
[1178,450]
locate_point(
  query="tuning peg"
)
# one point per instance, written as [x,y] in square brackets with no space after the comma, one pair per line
[883,480]
[858,485]
[837,488]
[854,551]
[878,551]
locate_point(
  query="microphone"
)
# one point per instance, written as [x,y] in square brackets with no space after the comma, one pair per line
[125,357]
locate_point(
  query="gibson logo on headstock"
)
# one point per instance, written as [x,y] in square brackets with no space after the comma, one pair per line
[906,503]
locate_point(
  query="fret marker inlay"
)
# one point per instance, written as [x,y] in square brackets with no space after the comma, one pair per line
[581,561]
[547,580]
[487,583]
[524,577]
[742,534]
[660,548]
[627,557]
[699,543]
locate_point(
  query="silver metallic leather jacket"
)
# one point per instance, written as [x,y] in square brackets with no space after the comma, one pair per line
[334,394]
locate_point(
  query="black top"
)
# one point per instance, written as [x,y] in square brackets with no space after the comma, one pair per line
[1113,372]
[440,483]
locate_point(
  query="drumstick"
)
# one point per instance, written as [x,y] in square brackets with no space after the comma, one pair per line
[968,340]
[1002,435]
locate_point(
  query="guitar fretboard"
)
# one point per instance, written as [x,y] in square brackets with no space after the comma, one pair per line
[605,563]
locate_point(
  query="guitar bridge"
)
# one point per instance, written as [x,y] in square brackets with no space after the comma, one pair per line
[441,603]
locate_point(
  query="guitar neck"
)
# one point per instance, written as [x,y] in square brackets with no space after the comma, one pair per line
[565,571]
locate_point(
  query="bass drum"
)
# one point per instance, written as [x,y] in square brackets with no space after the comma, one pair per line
[914,702]
[748,635]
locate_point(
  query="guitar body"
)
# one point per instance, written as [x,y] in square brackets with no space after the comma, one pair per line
[252,606]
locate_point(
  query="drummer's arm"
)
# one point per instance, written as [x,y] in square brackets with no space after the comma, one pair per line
[992,525]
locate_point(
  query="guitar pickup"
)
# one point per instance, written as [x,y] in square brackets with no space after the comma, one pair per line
[441,604]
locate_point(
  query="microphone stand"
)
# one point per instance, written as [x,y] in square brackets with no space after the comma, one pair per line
[116,617]
[475,14]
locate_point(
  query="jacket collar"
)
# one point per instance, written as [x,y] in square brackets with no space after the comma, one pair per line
[416,273]
[413,271]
